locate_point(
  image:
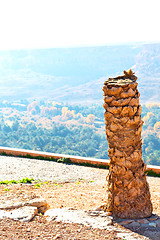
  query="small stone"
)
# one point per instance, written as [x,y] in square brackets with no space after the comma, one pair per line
[43,209]
[105,214]
[109,213]
[152,224]
[72,208]
[158,222]
[144,225]
[134,224]
[39,203]
[98,209]
[144,221]
[93,213]
[126,222]
[58,236]
[153,217]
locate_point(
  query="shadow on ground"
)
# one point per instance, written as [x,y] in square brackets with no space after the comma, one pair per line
[147,227]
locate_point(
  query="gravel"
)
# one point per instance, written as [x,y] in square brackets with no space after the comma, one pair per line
[17,168]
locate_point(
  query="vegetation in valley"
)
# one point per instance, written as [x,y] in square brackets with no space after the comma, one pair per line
[70,129]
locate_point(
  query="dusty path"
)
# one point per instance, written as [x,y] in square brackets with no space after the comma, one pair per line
[18,168]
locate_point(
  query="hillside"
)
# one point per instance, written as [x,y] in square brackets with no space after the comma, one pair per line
[77,74]
[70,129]
[147,68]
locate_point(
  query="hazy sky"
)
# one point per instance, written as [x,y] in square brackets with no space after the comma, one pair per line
[69,23]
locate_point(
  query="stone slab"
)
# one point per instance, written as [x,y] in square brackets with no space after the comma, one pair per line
[14,203]
[143,221]
[78,216]
[24,214]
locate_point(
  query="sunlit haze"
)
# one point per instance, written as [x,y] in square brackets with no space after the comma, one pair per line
[69,23]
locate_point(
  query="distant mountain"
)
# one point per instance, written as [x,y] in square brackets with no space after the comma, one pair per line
[147,68]
[77,74]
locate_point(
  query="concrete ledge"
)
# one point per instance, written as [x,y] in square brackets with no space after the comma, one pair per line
[154,168]
[77,159]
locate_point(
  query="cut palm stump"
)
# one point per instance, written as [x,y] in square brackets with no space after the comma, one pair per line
[128,190]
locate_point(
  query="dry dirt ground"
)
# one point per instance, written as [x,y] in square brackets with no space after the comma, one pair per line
[78,194]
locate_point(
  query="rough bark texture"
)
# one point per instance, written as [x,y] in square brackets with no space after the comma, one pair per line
[128,190]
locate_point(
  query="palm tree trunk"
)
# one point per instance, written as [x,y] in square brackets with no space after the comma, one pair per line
[128,190]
